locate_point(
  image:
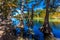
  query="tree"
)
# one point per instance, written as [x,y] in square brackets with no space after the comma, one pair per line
[46,27]
[21,25]
[5,9]
[30,24]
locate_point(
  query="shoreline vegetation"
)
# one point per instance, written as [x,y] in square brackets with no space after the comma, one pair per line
[39,15]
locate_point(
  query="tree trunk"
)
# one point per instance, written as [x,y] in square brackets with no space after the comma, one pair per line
[32,12]
[22,16]
[22,9]
[46,27]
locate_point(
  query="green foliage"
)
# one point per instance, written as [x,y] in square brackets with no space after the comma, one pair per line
[6,7]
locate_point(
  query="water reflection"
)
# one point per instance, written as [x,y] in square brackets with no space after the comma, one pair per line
[36,30]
